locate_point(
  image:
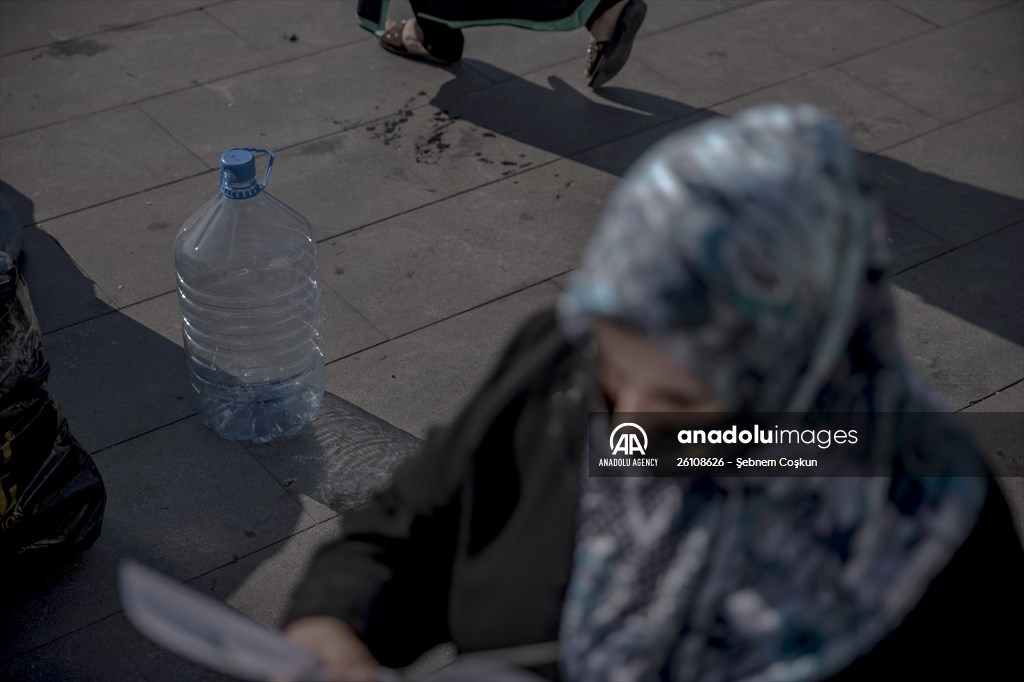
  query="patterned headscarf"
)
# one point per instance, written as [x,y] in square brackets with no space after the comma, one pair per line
[751,251]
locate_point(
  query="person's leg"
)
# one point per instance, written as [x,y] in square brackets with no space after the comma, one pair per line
[601,23]
[613,27]
[438,39]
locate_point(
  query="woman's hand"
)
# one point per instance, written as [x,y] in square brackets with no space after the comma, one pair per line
[333,643]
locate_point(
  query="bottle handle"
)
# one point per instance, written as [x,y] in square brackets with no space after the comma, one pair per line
[270,164]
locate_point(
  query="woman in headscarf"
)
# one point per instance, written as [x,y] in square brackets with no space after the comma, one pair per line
[739,269]
[434,34]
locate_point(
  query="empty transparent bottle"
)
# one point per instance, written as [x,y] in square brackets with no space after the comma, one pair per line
[250,306]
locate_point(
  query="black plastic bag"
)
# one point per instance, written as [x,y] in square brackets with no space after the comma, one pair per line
[51,494]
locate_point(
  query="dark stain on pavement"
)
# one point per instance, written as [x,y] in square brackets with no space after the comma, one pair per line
[78,46]
[319,147]
[153,227]
[430,149]
[390,129]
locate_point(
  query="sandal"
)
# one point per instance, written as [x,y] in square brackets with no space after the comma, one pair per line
[393,43]
[606,58]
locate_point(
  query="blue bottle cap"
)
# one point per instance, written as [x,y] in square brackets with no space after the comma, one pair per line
[240,163]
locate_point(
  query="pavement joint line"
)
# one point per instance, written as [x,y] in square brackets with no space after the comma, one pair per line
[982,13]
[912,13]
[245,41]
[114,29]
[945,125]
[446,319]
[875,88]
[138,435]
[828,65]
[924,228]
[43,221]
[894,273]
[361,316]
[172,136]
[954,247]
[132,656]
[280,484]
[972,403]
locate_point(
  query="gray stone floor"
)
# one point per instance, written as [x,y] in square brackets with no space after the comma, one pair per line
[448,204]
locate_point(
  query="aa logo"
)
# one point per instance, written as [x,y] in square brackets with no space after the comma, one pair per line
[628,441]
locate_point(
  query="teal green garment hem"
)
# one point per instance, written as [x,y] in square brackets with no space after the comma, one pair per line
[570,23]
[376,27]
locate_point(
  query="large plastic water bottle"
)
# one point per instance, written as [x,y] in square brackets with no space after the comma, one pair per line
[250,307]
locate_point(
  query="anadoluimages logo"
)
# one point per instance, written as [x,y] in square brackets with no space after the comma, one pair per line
[628,443]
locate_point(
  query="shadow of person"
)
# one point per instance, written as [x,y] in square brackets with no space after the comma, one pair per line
[558,119]
[179,499]
[610,129]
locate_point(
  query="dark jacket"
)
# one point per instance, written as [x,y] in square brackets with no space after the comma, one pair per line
[472,542]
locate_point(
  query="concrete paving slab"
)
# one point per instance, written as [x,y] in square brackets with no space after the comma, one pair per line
[1004,447]
[340,459]
[290,103]
[115,378]
[423,379]
[61,294]
[962,181]
[260,585]
[553,109]
[503,52]
[909,244]
[415,157]
[445,258]
[87,161]
[874,120]
[88,655]
[82,76]
[945,12]
[152,660]
[125,245]
[26,24]
[753,46]
[666,14]
[179,499]
[956,71]
[284,29]
[346,331]
[967,340]
[617,156]
[562,280]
